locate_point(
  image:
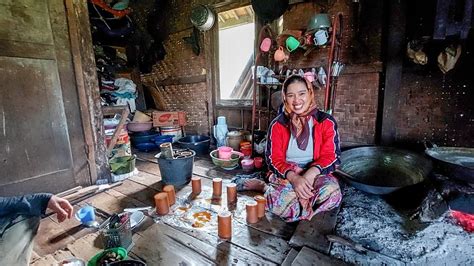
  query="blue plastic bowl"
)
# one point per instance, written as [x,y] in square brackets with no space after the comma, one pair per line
[162,139]
[147,146]
[143,137]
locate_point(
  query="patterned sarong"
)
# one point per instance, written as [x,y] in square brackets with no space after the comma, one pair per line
[282,199]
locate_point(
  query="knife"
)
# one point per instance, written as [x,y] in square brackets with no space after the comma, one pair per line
[361,249]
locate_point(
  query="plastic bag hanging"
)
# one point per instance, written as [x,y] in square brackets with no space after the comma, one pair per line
[448,58]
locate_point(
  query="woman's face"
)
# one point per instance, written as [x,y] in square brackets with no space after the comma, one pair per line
[297,97]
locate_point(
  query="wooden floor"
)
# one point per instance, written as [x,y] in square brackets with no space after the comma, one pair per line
[269,242]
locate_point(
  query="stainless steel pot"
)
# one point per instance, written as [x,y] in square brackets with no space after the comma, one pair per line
[202,17]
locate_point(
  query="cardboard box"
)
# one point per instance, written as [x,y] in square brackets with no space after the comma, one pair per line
[163,119]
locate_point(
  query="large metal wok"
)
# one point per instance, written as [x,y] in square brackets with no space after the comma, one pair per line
[382,170]
[453,161]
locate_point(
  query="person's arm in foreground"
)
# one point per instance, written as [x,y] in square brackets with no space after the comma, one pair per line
[36,205]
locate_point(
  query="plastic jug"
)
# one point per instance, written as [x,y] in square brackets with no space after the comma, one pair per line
[220,131]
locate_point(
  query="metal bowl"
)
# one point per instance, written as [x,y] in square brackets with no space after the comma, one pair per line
[197,143]
[382,170]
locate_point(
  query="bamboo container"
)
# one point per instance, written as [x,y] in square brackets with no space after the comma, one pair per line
[162,203]
[217,187]
[169,189]
[224,224]
[261,202]
[231,193]
[166,150]
[251,208]
[196,184]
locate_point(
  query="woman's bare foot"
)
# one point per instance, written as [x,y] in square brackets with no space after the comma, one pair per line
[254,185]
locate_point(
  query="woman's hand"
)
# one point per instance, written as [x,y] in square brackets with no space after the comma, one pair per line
[61,207]
[301,185]
[311,174]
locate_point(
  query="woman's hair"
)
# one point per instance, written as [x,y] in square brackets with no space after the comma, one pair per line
[294,79]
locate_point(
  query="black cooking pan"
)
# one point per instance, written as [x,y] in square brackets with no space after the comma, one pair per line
[382,170]
[453,161]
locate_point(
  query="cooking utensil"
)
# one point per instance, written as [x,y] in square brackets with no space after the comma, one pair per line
[197,143]
[137,209]
[455,162]
[382,170]
[361,249]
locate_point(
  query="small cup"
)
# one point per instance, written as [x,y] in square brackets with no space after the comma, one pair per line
[224,152]
[246,150]
[321,37]
[292,43]
[86,214]
[261,202]
[196,185]
[169,189]
[265,45]
[280,55]
[217,186]
[251,208]
[309,76]
[231,193]
[258,162]
[224,224]
[161,203]
[247,165]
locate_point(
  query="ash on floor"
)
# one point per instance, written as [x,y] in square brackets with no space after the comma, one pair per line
[371,221]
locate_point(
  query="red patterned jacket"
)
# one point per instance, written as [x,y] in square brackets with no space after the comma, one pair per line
[326,150]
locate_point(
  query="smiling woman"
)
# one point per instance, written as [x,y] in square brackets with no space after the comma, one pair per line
[302,152]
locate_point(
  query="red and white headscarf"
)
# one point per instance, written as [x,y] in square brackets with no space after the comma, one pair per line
[299,126]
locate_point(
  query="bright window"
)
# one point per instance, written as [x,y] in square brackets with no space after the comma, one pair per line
[236,47]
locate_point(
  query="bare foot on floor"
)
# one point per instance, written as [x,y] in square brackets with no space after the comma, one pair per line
[254,185]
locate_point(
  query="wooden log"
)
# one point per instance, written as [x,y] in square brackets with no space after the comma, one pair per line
[308,256]
[290,257]
[316,229]
[69,191]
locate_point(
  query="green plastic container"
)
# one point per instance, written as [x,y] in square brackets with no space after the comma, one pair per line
[95,260]
[122,165]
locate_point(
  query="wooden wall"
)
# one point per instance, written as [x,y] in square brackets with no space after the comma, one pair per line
[430,105]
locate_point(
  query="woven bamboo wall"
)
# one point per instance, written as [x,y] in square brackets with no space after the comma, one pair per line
[357,124]
[181,62]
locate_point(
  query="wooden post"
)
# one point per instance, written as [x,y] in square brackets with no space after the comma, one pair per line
[88,87]
[393,72]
